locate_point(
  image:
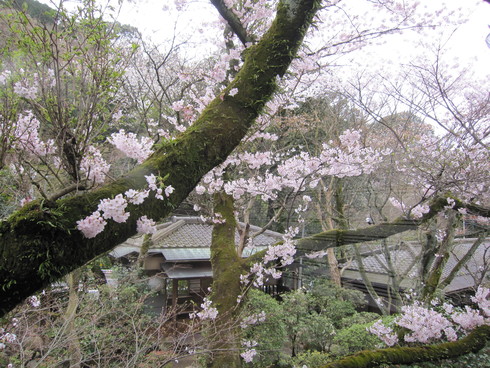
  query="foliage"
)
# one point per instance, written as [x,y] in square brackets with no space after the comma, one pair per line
[308,319]
[355,338]
[112,327]
[42,12]
[358,318]
[309,359]
[270,334]
[334,301]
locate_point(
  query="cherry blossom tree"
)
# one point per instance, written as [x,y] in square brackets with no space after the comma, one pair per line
[49,238]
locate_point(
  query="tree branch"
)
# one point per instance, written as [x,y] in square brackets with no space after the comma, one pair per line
[234,22]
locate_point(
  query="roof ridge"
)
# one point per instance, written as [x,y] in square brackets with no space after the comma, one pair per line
[159,235]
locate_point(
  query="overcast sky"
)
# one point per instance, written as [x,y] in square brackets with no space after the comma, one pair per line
[158,19]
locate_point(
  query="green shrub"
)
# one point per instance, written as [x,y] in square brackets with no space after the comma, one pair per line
[359,319]
[270,334]
[355,338]
[310,359]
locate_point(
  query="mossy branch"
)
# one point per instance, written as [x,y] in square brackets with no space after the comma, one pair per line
[339,237]
[473,342]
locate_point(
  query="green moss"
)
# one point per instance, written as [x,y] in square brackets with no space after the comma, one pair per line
[226,283]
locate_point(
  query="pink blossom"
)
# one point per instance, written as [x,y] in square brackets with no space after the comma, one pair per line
[91,225]
[169,190]
[253,319]
[136,197]
[384,333]
[419,210]
[131,146]
[94,166]
[25,200]
[114,208]
[425,324]
[27,136]
[34,300]
[144,225]
[469,319]
[207,313]
[481,298]
[248,355]
[200,189]
[152,181]
[24,90]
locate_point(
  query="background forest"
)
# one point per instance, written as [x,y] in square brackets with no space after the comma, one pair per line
[377,180]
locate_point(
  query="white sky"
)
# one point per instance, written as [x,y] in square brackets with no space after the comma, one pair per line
[157,19]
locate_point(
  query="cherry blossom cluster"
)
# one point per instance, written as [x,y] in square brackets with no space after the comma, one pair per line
[277,256]
[207,312]
[216,218]
[94,166]
[429,324]
[34,301]
[6,338]
[26,136]
[425,324]
[144,225]
[385,333]
[24,90]
[439,165]
[5,76]
[349,158]
[115,209]
[132,146]
[27,85]
[250,353]
[253,319]
[482,299]
[417,211]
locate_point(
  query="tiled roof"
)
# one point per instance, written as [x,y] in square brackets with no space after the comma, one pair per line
[406,259]
[189,233]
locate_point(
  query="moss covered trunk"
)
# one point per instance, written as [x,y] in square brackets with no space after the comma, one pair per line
[440,258]
[226,266]
[74,349]
[40,243]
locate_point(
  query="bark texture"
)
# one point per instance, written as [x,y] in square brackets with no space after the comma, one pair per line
[226,284]
[40,243]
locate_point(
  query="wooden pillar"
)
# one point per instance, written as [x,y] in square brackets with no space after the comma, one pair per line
[175,292]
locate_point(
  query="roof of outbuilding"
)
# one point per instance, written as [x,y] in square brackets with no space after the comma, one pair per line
[405,262]
[189,238]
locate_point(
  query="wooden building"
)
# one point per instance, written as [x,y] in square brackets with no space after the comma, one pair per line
[178,260]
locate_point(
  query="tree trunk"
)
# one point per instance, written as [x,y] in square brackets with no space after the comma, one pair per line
[144,250]
[226,266]
[40,242]
[74,349]
[441,257]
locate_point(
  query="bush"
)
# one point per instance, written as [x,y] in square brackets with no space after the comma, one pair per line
[270,334]
[335,302]
[359,319]
[310,359]
[355,338]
